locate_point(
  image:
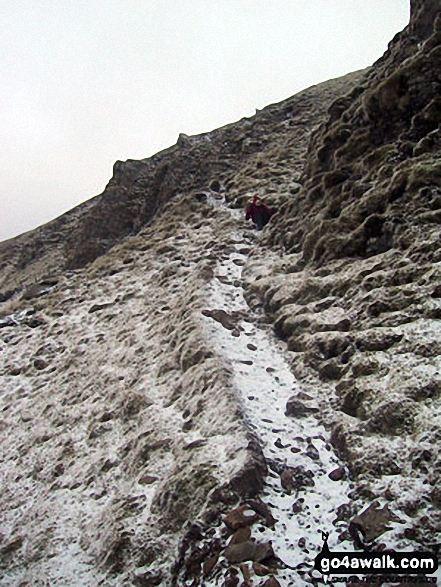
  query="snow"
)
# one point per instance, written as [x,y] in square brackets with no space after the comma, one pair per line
[95,448]
[264,383]
[122,380]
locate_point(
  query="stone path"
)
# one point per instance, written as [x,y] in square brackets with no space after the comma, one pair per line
[298,491]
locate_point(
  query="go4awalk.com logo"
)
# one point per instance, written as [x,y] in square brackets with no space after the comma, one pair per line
[374,563]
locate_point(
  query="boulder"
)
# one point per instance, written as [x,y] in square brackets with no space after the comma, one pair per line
[371,523]
[248,551]
[240,517]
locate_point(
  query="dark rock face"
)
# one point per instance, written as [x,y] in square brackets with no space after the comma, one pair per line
[374,157]
[240,517]
[137,190]
[371,523]
[423,17]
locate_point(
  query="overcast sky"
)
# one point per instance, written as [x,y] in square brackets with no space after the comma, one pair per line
[87,82]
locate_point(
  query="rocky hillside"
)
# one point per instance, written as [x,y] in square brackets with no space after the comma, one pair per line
[356,289]
[126,422]
[264,152]
[150,435]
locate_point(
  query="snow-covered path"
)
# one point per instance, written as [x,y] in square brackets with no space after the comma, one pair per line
[298,490]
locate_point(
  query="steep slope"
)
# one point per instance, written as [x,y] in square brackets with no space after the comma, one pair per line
[135,442]
[115,412]
[355,282]
[120,424]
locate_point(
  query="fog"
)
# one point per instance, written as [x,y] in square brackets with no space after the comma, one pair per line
[86,83]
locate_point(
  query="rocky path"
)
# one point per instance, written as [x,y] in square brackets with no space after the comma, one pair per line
[299,492]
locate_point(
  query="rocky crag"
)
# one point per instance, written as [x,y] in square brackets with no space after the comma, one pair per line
[356,289]
[127,456]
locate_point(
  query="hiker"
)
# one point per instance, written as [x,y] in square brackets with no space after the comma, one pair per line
[258,212]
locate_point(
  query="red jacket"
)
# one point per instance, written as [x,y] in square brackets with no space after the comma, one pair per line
[254,209]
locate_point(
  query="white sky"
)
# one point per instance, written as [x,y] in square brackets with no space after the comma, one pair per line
[87,82]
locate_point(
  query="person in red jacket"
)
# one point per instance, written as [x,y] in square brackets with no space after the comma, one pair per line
[258,212]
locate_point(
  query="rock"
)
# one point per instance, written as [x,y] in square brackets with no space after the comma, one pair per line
[34,322]
[39,289]
[301,395]
[248,481]
[371,523]
[264,511]
[147,579]
[298,408]
[195,444]
[231,580]
[377,339]
[209,564]
[271,582]
[99,307]
[227,320]
[109,464]
[394,417]
[246,573]
[248,551]
[337,474]
[11,546]
[240,517]
[297,506]
[241,535]
[331,370]
[215,186]
[40,364]
[296,478]
[278,443]
[260,570]
[312,452]
[435,496]
[183,140]
[147,480]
